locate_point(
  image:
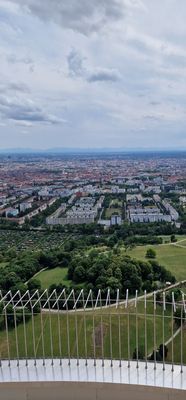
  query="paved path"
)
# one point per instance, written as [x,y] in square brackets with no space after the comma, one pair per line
[173,337]
[130,301]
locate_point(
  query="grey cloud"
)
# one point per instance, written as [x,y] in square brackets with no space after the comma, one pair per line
[85,16]
[14,87]
[77,69]
[154,117]
[104,74]
[139,45]
[25,111]
[13,59]
[75,63]
[175,60]
[25,124]
[154,103]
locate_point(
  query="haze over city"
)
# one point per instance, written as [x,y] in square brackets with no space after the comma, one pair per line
[100,74]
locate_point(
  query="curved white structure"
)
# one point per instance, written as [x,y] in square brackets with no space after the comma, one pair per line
[69,382]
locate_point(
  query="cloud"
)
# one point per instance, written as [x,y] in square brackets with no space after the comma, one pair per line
[14,87]
[155,118]
[147,43]
[78,69]
[84,16]
[13,59]
[25,124]
[75,63]
[24,111]
[103,74]
[129,59]
[155,103]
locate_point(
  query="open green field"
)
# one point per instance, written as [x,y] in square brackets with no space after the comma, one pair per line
[116,201]
[53,276]
[182,243]
[115,207]
[112,210]
[167,238]
[94,328]
[170,256]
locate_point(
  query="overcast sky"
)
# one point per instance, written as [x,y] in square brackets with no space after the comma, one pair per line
[93,73]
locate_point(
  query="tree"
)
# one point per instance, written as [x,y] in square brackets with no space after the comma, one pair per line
[179,315]
[163,349]
[147,285]
[17,315]
[159,354]
[150,253]
[146,270]
[130,277]
[113,284]
[34,284]
[155,356]
[118,274]
[177,295]
[173,238]
[138,354]
[79,274]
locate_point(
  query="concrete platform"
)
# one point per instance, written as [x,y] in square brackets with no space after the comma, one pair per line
[55,382]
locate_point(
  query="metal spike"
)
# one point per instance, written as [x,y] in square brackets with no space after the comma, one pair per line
[127,297]
[88,297]
[117,298]
[108,297]
[58,298]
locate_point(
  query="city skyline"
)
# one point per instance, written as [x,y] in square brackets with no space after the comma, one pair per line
[99,75]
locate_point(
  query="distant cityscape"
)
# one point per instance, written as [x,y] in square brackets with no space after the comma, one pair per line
[105,189]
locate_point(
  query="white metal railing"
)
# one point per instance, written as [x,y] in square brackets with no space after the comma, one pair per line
[43,325]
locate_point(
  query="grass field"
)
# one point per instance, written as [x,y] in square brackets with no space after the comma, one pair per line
[116,201]
[170,256]
[177,348]
[101,326]
[53,276]
[115,207]
[112,210]
[167,238]
[182,243]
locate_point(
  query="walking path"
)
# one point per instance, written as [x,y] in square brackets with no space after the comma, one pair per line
[173,337]
[130,301]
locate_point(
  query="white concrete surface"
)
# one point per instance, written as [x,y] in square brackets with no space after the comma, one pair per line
[95,374]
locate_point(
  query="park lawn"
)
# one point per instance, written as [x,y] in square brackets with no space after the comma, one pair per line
[182,243]
[93,321]
[112,210]
[170,256]
[180,237]
[53,276]
[167,238]
[116,201]
[177,348]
